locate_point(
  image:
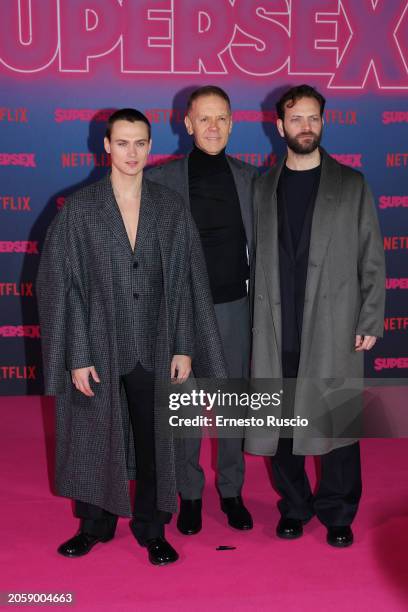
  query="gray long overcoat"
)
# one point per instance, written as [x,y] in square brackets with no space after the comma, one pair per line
[344,296]
[76,303]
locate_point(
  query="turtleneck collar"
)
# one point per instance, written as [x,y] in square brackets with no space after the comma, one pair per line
[203,155]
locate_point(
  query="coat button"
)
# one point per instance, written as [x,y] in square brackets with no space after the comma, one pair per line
[254,331]
[135,264]
[260,297]
[136,296]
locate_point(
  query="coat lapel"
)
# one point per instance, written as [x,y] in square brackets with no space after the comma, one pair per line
[243,187]
[149,211]
[111,214]
[327,201]
[268,247]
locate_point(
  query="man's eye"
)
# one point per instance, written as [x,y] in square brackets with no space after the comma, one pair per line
[203,119]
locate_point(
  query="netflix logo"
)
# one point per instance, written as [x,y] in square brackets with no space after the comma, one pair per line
[397,160]
[13,115]
[395,323]
[13,372]
[88,160]
[395,243]
[15,203]
[16,290]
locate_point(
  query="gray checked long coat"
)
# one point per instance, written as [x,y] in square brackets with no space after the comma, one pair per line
[77,315]
[344,296]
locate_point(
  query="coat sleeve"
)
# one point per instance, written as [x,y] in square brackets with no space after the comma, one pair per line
[371,269]
[60,311]
[184,337]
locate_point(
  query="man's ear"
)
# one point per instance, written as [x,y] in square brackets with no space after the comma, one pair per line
[279,125]
[106,144]
[150,145]
[188,124]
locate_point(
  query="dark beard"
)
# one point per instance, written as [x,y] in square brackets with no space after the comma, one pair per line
[303,149]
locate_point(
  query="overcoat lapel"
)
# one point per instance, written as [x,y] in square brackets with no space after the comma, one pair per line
[243,188]
[148,215]
[327,201]
[268,248]
[111,214]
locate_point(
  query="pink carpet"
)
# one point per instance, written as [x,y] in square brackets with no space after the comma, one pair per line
[263,573]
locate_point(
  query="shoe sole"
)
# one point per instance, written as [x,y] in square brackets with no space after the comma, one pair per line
[70,556]
[339,545]
[244,528]
[283,536]
[187,533]
[162,563]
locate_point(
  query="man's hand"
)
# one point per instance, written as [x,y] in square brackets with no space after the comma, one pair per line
[182,365]
[80,379]
[365,343]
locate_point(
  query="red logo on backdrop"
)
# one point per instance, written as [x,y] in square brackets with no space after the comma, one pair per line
[20,331]
[340,117]
[397,160]
[82,114]
[394,243]
[14,115]
[18,159]
[19,246]
[19,203]
[396,283]
[394,117]
[349,159]
[395,323]
[12,372]
[390,363]
[60,201]
[16,289]
[393,202]
[89,160]
[342,42]
[265,160]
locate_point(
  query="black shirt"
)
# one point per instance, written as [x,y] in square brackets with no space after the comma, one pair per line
[297,190]
[216,211]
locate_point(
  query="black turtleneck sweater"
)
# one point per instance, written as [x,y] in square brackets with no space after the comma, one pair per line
[216,210]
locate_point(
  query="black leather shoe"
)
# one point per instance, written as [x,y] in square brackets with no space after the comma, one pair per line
[161,552]
[238,515]
[340,536]
[80,544]
[289,529]
[189,519]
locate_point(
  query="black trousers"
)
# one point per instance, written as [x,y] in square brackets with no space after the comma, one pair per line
[148,522]
[336,500]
